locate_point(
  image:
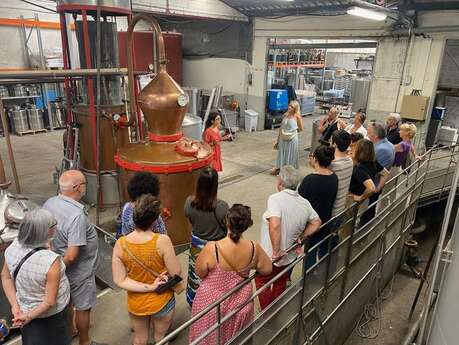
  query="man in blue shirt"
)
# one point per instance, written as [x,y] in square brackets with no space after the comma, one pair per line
[385,151]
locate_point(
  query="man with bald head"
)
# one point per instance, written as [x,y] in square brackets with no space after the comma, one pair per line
[76,240]
[328,125]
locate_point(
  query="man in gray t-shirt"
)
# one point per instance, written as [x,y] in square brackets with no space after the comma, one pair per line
[76,240]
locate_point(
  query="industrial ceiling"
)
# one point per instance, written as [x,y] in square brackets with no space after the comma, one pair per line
[275,8]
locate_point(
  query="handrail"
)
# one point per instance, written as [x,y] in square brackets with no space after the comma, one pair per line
[406,173]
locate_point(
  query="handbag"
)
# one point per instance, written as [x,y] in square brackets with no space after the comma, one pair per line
[178,288]
[286,135]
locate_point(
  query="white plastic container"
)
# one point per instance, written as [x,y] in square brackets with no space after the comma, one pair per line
[251,120]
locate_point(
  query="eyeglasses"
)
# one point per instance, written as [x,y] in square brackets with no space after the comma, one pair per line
[79,184]
[53,225]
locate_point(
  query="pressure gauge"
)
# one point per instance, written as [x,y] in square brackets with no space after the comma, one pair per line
[183,99]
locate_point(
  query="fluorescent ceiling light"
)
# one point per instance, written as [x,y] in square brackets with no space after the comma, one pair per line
[366,13]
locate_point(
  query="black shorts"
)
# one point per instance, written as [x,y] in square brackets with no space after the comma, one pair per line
[52,330]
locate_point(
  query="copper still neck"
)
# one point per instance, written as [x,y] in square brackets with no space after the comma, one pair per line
[163,102]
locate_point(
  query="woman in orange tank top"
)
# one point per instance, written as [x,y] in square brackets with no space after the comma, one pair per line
[138,259]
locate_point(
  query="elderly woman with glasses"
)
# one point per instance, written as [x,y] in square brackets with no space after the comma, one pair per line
[35,283]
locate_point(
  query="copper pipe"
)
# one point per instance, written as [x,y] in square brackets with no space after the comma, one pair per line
[6,132]
[160,60]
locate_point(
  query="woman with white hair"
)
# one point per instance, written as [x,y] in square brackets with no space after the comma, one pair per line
[287,140]
[393,130]
[35,283]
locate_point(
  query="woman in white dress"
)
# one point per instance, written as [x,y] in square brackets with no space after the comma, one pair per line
[287,142]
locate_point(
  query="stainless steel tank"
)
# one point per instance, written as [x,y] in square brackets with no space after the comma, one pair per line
[176,160]
[58,114]
[192,127]
[4,91]
[19,119]
[33,90]
[315,135]
[35,116]
[19,90]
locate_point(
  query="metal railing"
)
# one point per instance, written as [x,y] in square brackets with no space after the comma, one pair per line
[325,300]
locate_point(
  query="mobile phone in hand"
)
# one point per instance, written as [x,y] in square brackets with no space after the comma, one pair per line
[171,282]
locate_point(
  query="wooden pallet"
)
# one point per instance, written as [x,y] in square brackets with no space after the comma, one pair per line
[31,132]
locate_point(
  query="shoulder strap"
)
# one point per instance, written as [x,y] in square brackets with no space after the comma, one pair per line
[24,259]
[253,252]
[228,262]
[216,252]
[136,259]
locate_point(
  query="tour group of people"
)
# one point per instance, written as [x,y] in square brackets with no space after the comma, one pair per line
[49,271]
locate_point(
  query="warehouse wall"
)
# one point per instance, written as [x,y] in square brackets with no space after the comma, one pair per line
[210,72]
[14,56]
[400,66]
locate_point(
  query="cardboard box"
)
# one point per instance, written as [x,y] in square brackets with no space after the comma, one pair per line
[414,107]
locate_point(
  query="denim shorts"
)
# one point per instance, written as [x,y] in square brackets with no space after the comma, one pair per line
[166,309]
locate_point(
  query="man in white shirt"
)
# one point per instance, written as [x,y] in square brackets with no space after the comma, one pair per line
[288,217]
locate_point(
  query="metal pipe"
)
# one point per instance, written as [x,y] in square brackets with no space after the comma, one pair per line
[62,73]
[99,201]
[6,133]
[444,230]
[43,65]
[160,60]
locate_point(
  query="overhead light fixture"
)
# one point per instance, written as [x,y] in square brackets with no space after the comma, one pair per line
[366,13]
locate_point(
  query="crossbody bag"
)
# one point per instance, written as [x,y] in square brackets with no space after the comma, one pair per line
[24,259]
[178,288]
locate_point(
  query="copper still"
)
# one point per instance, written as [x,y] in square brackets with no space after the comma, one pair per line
[175,159]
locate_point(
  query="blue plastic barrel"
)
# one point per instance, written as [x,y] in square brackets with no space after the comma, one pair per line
[277,99]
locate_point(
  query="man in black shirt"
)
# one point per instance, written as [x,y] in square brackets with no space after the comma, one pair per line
[393,131]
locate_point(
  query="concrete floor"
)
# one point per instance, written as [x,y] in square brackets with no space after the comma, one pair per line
[245,179]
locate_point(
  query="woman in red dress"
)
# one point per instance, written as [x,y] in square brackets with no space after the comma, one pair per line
[212,137]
